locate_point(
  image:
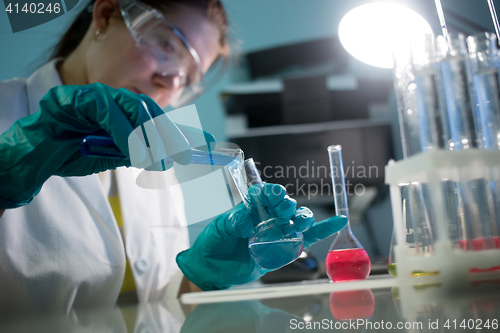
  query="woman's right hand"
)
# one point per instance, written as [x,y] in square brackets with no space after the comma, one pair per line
[47,142]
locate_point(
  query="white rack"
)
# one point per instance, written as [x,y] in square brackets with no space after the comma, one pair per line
[452,264]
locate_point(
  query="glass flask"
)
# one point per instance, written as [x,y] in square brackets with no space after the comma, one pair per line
[274,241]
[346,259]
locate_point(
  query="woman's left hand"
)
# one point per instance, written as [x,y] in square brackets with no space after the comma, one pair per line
[219,258]
[47,143]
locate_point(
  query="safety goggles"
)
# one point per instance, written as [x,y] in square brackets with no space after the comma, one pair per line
[165,50]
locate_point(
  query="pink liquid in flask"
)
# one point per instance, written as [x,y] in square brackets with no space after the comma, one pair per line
[347,264]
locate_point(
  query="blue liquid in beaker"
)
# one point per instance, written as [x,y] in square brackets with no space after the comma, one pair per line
[275,254]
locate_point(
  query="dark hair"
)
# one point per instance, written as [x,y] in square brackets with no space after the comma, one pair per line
[212,9]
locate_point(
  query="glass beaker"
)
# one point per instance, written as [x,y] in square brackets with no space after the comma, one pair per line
[274,241]
[346,259]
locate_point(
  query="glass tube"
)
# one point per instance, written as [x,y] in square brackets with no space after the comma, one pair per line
[485,62]
[417,81]
[102,146]
[407,228]
[421,105]
[463,85]
[484,56]
[454,68]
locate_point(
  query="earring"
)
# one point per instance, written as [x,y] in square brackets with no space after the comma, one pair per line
[96,35]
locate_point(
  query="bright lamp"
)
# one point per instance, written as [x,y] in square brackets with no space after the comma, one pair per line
[371,32]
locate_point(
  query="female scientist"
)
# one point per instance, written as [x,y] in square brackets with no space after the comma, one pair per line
[68,241]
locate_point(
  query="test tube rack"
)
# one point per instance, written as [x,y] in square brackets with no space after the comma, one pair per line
[451,264]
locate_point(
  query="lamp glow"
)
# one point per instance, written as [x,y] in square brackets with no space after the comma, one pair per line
[372,32]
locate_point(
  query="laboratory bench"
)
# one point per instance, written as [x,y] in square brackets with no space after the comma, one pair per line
[379,304]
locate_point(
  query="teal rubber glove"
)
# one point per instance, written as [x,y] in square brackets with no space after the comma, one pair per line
[47,143]
[219,258]
[243,317]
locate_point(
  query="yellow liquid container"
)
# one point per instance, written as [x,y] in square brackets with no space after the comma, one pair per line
[391,268]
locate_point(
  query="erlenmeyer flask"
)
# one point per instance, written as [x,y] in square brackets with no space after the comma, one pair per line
[274,242]
[347,259]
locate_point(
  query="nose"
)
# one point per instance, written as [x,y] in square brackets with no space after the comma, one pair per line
[171,82]
[168,87]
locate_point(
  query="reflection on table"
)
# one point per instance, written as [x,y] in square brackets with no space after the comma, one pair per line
[419,307]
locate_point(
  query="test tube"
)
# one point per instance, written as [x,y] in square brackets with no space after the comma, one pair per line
[485,63]
[417,82]
[102,146]
[459,117]
[463,117]
[421,105]
[484,55]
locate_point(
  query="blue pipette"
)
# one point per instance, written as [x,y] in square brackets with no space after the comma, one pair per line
[102,146]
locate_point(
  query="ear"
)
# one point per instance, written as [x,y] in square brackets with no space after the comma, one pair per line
[102,12]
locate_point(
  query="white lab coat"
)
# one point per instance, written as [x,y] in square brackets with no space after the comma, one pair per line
[64,250]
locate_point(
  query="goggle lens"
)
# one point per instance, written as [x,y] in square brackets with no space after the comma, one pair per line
[165,50]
